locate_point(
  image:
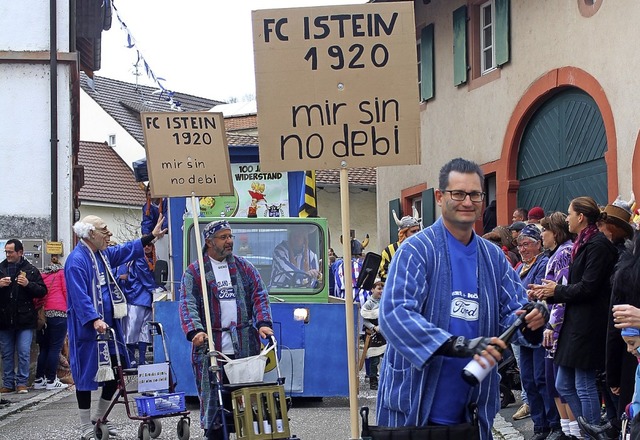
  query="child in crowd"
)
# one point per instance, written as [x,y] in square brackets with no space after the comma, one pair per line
[377,343]
[632,337]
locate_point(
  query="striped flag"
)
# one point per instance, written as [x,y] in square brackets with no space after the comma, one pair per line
[308,199]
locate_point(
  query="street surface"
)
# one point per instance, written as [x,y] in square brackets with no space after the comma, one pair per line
[52,415]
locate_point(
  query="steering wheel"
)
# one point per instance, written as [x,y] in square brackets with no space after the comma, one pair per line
[293,278]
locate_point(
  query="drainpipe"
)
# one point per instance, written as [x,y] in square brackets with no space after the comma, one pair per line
[53,75]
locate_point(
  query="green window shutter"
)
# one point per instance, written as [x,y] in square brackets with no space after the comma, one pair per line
[502,31]
[394,205]
[427,63]
[428,207]
[460,46]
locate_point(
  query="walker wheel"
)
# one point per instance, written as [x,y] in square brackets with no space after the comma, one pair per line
[101,431]
[155,428]
[183,430]
[143,432]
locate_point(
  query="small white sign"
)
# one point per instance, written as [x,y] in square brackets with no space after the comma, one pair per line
[153,377]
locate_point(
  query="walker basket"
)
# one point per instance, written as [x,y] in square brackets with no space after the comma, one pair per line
[160,405]
[246,370]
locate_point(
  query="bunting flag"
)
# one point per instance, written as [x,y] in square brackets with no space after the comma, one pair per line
[308,199]
[163,92]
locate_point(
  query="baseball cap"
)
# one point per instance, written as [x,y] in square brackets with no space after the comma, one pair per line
[517,226]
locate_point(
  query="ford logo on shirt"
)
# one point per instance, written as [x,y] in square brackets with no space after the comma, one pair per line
[226,294]
[467,310]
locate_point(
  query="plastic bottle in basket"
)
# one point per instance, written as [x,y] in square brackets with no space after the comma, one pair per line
[266,422]
[279,424]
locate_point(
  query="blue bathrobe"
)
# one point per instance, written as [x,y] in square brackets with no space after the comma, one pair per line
[414,310]
[80,277]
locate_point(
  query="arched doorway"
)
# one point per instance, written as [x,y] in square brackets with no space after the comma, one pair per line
[562,153]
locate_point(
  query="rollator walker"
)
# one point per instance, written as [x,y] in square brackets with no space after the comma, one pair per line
[158,397]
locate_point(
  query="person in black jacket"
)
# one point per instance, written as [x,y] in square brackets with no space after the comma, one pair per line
[582,339]
[20,283]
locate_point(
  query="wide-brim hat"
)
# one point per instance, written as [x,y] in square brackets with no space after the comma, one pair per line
[619,217]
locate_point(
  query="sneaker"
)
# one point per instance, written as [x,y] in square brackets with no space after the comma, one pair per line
[56,385]
[87,433]
[5,390]
[40,383]
[522,413]
[22,389]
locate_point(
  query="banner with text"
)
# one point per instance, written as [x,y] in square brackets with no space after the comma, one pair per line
[337,83]
[187,154]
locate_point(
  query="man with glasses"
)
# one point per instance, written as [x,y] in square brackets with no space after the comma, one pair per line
[96,304]
[447,292]
[20,283]
[239,311]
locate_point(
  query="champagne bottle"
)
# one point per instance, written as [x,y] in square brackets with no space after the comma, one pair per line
[279,424]
[474,373]
[254,412]
[266,421]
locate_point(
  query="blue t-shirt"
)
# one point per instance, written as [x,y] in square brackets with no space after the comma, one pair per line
[452,391]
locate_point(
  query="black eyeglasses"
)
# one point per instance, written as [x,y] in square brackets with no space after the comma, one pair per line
[459,196]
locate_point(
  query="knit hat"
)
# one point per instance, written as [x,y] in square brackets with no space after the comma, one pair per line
[630,331]
[517,226]
[531,231]
[536,213]
[214,227]
[619,214]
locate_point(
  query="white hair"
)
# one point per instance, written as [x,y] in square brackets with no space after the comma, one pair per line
[82,229]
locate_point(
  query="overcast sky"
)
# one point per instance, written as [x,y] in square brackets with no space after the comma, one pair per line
[202,47]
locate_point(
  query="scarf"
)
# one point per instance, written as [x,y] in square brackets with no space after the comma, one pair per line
[526,267]
[584,236]
[119,303]
[151,261]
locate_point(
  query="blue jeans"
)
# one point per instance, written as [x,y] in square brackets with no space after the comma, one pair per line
[516,352]
[10,341]
[544,413]
[578,388]
[50,340]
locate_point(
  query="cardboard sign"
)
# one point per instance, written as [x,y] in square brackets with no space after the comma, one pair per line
[337,83]
[187,154]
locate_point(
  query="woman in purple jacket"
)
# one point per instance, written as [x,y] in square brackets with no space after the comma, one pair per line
[556,239]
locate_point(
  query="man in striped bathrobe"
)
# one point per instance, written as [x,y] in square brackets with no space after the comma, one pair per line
[448,294]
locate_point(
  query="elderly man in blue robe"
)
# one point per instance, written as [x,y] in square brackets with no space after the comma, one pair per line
[96,303]
[239,310]
[448,293]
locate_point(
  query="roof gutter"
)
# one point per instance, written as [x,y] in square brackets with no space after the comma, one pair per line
[53,97]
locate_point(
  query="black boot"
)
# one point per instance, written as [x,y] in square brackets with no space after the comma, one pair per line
[599,432]
[373,383]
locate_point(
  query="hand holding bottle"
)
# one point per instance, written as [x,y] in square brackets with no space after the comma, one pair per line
[529,319]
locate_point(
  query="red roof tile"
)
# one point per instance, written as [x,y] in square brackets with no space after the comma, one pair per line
[107,178]
[357,176]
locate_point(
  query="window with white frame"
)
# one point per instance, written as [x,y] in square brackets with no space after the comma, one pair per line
[487,37]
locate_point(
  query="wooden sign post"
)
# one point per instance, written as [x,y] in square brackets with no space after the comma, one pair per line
[187,156]
[337,87]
